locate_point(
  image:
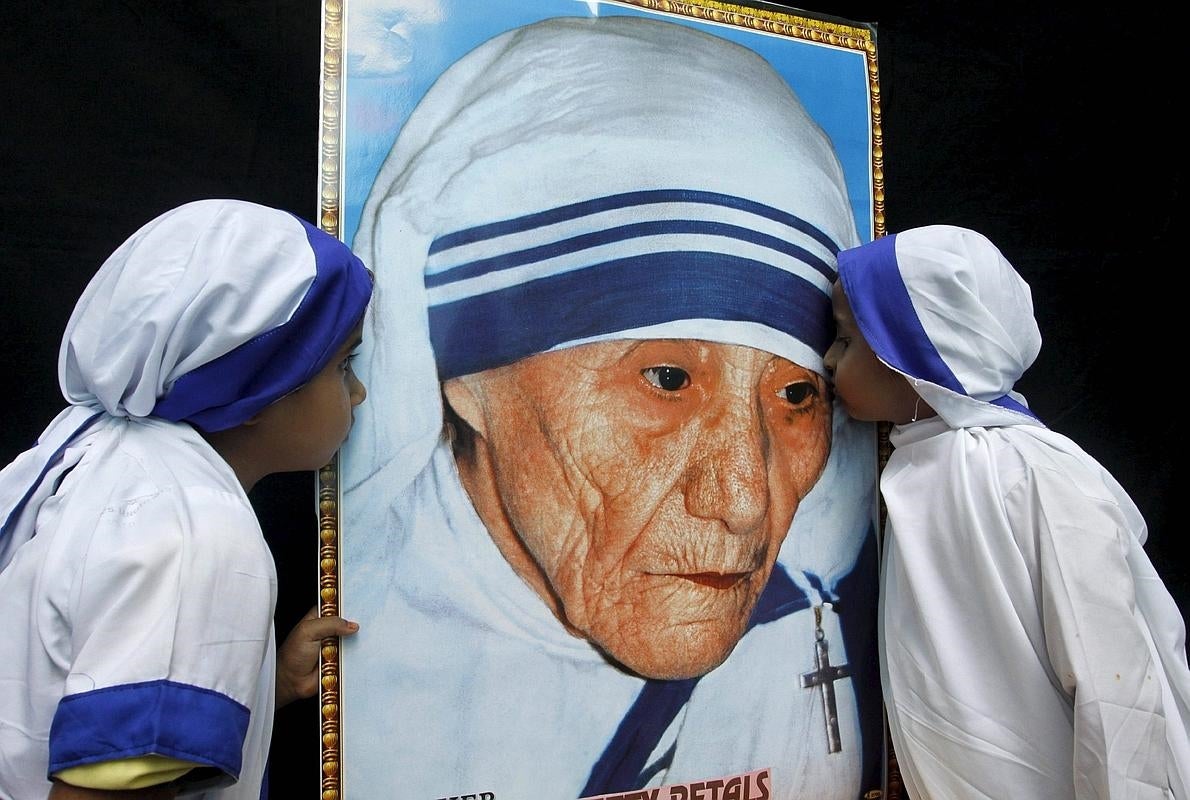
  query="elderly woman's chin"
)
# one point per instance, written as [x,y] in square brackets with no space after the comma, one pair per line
[677,627]
[678,654]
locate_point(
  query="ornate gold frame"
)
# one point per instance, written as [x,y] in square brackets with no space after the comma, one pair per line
[785,23]
[329,183]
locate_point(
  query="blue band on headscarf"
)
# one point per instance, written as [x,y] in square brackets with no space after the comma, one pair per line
[485,266]
[886,317]
[496,328]
[231,389]
[628,200]
[505,290]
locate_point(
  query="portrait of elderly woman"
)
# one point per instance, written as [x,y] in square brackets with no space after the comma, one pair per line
[604,532]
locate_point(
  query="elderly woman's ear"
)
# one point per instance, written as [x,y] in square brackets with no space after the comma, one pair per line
[465,399]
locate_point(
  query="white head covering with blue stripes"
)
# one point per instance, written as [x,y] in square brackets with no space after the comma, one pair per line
[206,315]
[941,305]
[579,180]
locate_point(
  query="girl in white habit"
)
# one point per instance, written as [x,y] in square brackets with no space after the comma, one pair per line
[212,348]
[1028,648]
[608,244]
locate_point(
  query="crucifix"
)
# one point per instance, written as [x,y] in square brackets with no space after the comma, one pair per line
[824,676]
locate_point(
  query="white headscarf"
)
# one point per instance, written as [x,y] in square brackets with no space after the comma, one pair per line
[207,314]
[578,180]
[941,305]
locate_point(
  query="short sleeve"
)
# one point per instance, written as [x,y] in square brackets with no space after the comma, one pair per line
[170,625]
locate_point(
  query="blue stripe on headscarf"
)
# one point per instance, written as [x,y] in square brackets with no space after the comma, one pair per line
[489,330]
[229,390]
[621,233]
[625,200]
[886,317]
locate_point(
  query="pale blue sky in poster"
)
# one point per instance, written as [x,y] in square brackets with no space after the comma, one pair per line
[396,48]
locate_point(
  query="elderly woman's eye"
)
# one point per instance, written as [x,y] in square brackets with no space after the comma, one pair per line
[799,393]
[671,379]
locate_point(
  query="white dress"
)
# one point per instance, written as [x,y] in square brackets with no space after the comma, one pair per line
[138,619]
[1029,650]
[1026,635]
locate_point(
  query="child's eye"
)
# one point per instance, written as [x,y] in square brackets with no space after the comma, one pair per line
[671,379]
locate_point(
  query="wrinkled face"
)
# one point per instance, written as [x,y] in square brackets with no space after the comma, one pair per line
[643,487]
[867,388]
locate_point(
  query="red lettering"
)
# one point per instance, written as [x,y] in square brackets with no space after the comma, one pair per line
[762,783]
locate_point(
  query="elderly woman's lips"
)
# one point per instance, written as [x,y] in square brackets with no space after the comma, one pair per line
[716,580]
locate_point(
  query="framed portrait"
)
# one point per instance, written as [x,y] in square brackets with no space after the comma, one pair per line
[603,530]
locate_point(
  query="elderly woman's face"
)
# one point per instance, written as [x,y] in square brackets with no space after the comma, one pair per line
[643,488]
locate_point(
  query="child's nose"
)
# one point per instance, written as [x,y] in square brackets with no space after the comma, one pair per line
[831,358]
[358,391]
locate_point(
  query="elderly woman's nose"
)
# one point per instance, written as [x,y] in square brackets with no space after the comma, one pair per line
[728,474]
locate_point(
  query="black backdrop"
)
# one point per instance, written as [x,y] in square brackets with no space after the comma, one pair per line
[1052,133]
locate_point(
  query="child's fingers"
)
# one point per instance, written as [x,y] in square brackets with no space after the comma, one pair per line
[297,658]
[321,627]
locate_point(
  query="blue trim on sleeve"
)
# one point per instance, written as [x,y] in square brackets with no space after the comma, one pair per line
[162,717]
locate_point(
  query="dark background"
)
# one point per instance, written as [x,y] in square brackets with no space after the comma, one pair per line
[1052,133]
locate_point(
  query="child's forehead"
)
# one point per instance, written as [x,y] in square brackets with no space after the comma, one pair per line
[355,338]
[840,305]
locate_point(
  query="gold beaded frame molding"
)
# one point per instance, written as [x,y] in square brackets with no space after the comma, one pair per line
[329,190]
[772,19]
